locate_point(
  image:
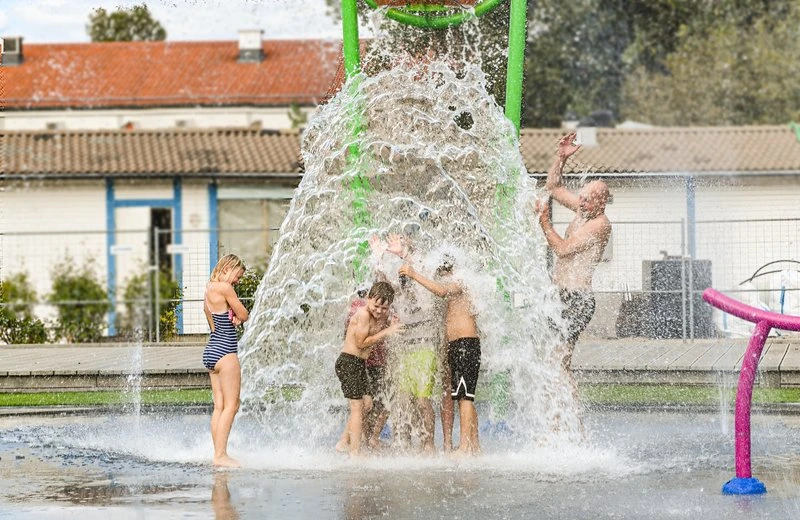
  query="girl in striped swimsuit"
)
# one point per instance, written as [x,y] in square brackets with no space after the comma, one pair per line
[223,311]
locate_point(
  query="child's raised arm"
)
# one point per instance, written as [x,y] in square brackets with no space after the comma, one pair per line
[442,290]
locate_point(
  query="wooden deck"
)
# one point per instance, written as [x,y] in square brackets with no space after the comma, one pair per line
[707,361]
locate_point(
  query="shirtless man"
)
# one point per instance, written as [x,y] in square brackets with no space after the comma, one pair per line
[581,248]
[464,349]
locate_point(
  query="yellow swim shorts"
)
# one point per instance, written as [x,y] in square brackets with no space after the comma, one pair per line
[418,372]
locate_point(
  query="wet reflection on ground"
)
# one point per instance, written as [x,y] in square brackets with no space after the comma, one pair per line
[643,465]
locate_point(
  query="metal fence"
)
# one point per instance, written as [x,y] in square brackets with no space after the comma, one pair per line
[647,284]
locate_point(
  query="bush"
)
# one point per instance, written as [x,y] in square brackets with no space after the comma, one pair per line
[82,302]
[17,323]
[169,294]
[23,331]
[246,289]
[248,284]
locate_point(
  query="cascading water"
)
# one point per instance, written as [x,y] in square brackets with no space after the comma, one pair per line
[442,160]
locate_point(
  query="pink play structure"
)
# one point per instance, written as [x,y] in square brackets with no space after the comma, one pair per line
[744,483]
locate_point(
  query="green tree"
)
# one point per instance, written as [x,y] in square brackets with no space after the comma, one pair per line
[124,25]
[574,59]
[717,76]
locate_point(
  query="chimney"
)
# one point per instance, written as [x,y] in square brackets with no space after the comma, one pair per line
[12,51]
[250,49]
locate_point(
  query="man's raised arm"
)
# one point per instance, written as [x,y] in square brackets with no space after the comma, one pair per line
[555,183]
[593,232]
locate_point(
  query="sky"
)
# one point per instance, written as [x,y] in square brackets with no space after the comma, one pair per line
[61,21]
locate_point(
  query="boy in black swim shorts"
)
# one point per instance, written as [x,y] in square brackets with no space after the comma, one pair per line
[368,326]
[464,349]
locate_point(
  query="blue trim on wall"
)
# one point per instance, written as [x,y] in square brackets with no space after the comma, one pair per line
[177,238]
[112,203]
[213,224]
[691,221]
[111,263]
[140,203]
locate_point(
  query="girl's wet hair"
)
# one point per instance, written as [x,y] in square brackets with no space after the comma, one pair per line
[227,263]
[383,292]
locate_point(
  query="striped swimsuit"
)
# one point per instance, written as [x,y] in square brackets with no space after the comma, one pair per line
[221,342]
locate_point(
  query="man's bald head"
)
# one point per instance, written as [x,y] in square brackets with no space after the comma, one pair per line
[592,199]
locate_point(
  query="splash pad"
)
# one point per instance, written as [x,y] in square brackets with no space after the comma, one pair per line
[417,144]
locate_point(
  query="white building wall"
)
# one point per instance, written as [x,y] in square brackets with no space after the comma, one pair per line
[195,242]
[44,225]
[276,118]
[743,225]
[645,217]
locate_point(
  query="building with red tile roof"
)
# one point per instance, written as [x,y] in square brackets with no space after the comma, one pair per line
[166,84]
[105,145]
[169,74]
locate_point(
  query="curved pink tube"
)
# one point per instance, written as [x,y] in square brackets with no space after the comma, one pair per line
[764,321]
[751,314]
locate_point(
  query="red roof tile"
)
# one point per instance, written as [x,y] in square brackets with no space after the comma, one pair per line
[671,150]
[147,74]
[243,152]
[226,152]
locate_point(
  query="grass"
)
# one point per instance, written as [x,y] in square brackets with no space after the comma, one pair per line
[615,395]
[149,397]
[628,395]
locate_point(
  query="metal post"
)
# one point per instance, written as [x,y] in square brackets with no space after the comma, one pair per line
[683,280]
[691,298]
[151,268]
[517,36]
[691,229]
[157,306]
[350,47]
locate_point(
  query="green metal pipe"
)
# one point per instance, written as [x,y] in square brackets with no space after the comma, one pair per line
[350,47]
[359,185]
[517,36]
[432,21]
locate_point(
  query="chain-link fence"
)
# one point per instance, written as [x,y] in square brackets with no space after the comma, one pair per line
[151,282]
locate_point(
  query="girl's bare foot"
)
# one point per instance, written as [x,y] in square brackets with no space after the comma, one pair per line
[226,462]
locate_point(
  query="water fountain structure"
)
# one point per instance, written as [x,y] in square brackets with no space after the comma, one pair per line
[413,141]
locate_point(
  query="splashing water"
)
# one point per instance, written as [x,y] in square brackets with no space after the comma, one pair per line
[443,161]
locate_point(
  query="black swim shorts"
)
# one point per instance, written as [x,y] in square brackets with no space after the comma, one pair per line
[376,375]
[464,355]
[578,311]
[352,373]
